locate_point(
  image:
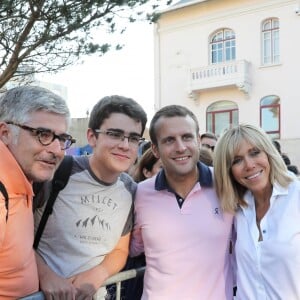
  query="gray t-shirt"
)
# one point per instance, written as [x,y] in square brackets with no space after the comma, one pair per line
[88,219]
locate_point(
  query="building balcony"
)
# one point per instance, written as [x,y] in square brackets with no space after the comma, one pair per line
[234,73]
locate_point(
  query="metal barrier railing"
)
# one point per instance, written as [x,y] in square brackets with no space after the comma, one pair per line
[115,279]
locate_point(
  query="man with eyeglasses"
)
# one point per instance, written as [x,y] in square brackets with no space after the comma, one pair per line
[86,239]
[33,138]
[208,140]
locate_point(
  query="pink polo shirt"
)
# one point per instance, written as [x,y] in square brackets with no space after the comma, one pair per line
[187,248]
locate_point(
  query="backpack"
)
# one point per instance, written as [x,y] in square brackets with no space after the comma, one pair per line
[59,181]
[5,194]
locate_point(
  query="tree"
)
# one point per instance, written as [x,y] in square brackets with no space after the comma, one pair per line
[48,35]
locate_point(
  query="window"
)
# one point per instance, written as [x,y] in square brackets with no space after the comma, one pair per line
[222,46]
[270,115]
[220,116]
[270,42]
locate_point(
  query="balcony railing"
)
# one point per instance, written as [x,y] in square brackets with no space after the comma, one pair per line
[115,279]
[235,73]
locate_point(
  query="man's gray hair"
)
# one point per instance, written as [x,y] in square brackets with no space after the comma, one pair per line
[18,103]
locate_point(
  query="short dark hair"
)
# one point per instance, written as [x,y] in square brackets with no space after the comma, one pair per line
[168,112]
[277,145]
[116,104]
[286,159]
[293,169]
[208,135]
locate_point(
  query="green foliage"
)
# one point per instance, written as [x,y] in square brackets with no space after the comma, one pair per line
[48,35]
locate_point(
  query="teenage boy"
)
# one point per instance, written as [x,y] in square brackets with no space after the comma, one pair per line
[86,238]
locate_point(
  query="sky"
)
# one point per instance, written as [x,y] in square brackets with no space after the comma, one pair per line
[128,72]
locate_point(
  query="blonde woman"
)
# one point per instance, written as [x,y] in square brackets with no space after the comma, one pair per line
[252,180]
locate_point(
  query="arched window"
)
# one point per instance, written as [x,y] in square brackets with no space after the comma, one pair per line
[270,115]
[220,116]
[270,42]
[222,46]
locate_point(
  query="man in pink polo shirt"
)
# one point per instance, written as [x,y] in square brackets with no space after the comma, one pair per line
[33,139]
[179,224]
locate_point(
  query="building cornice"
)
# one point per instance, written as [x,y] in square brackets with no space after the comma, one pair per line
[181,5]
[225,14]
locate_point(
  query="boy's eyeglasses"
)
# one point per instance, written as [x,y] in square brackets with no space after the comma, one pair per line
[47,136]
[119,136]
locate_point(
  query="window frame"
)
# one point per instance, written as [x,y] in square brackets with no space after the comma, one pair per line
[225,42]
[211,114]
[270,42]
[273,133]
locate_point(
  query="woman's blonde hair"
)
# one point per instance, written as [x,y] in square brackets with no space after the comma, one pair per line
[230,192]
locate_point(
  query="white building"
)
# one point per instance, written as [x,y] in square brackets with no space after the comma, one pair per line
[233,61]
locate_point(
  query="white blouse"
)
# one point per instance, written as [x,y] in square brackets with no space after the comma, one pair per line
[269,269]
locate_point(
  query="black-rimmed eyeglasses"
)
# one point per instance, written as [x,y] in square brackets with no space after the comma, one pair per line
[118,136]
[212,148]
[47,136]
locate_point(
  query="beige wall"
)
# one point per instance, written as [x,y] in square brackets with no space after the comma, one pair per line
[182,42]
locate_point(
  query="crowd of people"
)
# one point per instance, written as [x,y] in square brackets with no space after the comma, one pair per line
[210,217]
[286,159]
